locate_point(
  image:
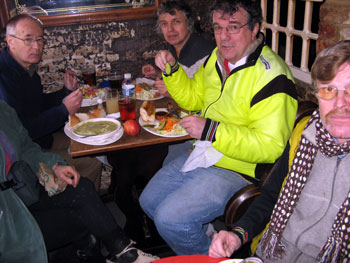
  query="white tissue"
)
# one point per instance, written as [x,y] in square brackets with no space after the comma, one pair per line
[204,155]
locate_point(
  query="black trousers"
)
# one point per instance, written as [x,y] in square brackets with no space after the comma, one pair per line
[73,214]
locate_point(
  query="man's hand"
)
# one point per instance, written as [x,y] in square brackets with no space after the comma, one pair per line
[159,84]
[194,125]
[162,57]
[70,80]
[150,72]
[73,101]
[67,174]
[224,244]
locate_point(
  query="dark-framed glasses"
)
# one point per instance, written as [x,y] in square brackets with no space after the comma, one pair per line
[328,93]
[231,29]
[30,41]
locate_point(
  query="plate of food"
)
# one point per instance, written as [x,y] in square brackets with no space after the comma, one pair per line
[91,94]
[165,124]
[145,91]
[247,260]
[97,128]
[115,137]
[110,131]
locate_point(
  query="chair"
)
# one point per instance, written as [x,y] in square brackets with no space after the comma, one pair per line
[242,199]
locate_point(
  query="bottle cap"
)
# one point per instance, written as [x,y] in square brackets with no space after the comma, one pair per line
[127,75]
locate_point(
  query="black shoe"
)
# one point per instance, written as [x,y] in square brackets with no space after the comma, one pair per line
[91,253]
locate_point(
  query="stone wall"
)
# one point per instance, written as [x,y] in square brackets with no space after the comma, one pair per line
[124,46]
[334,23]
[127,45]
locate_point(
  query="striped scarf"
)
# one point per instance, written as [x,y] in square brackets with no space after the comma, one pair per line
[337,247]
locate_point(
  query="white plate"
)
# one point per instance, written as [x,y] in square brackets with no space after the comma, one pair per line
[114,115]
[149,82]
[115,137]
[145,80]
[91,102]
[237,260]
[153,91]
[150,130]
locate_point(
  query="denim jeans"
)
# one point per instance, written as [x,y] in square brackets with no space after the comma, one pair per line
[182,204]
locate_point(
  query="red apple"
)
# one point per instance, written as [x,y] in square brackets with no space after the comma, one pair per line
[132,127]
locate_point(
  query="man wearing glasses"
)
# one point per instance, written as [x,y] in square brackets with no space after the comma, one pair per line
[247,99]
[42,114]
[309,217]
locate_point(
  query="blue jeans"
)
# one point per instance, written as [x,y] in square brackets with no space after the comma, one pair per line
[182,204]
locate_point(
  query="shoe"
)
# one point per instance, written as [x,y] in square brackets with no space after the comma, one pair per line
[91,253]
[131,254]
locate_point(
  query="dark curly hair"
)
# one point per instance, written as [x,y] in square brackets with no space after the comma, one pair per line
[252,7]
[170,6]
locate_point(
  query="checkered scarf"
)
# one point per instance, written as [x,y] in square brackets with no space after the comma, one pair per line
[337,247]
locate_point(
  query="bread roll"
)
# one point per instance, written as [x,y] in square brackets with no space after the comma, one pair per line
[97,113]
[82,116]
[148,111]
[73,120]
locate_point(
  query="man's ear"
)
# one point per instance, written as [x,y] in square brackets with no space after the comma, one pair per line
[9,41]
[255,30]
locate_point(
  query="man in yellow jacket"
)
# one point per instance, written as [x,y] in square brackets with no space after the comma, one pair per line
[247,99]
[309,217]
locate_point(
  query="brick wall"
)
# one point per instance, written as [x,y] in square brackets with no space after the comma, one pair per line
[127,45]
[334,23]
[123,46]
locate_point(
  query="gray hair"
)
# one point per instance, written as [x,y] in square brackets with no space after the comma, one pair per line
[12,23]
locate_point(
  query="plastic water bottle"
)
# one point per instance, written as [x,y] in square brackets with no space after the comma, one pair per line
[128,87]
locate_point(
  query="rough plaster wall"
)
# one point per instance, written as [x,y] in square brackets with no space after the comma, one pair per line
[124,46]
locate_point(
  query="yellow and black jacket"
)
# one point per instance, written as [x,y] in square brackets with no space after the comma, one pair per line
[250,114]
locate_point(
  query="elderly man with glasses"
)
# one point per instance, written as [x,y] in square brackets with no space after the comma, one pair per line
[309,217]
[42,114]
[247,99]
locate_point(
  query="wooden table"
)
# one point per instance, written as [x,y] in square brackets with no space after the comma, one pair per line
[144,138]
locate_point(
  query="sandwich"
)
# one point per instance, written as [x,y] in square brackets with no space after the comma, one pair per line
[148,111]
[73,120]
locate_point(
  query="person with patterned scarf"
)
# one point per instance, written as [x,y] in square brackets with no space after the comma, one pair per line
[309,217]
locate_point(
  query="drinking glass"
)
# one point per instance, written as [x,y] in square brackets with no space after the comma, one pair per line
[89,75]
[112,101]
[127,107]
[115,80]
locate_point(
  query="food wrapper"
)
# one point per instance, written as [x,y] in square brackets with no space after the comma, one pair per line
[52,184]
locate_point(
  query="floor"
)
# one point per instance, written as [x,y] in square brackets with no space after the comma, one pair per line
[138,226]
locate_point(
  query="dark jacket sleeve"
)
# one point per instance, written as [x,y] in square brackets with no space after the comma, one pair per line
[259,212]
[40,113]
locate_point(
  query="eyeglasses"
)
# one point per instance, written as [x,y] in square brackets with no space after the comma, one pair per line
[231,29]
[30,41]
[328,93]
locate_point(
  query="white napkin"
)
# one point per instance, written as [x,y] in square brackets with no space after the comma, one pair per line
[203,155]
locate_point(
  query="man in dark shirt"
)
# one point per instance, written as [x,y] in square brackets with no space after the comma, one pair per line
[42,114]
[176,24]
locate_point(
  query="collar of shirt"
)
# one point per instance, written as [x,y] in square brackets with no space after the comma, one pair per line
[231,66]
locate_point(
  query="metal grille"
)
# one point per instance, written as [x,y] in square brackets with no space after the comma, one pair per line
[280,22]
